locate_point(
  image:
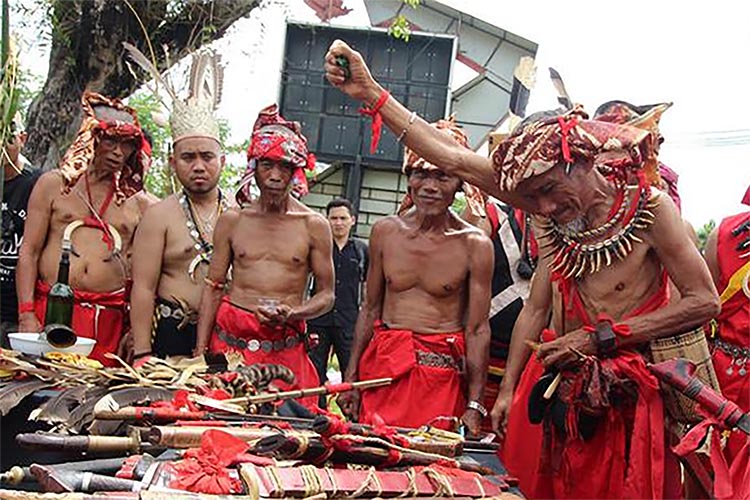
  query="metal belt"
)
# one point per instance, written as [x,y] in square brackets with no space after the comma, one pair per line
[436,360]
[255,345]
[740,356]
[734,350]
[166,311]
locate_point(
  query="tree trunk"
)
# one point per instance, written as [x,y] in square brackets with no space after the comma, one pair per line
[87,54]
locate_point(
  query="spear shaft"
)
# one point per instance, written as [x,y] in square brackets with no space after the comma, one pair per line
[270,397]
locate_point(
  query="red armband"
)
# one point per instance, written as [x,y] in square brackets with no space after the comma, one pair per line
[377,119]
[25,307]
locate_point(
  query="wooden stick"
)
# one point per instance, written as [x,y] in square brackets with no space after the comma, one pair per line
[270,397]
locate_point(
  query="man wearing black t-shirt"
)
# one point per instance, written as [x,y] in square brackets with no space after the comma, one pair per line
[19,181]
[336,328]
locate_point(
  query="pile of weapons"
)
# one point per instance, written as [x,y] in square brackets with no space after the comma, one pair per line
[172,438]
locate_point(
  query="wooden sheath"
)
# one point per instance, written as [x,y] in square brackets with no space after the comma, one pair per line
[190,437]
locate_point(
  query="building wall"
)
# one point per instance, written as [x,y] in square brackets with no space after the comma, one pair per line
[380,195]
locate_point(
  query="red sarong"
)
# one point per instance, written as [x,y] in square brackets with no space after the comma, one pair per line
[266,344]
[96,315]
[628,455]
[733,327]
[424,385]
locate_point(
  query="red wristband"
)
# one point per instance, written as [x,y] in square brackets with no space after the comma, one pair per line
[25,307]
[377,119]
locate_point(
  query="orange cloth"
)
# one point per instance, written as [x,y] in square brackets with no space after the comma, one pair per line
[96,315]
[243,324]
[419,393]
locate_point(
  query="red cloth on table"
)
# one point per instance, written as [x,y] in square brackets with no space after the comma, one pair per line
[243,324]
[419,393]
[734,325]
[600,467]
[96,315]
[205,469]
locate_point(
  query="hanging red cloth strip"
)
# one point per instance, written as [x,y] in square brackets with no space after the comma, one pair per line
[565,128]
[377,119]
[96,220]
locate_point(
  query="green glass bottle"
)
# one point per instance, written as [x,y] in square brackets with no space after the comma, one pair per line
[60,296]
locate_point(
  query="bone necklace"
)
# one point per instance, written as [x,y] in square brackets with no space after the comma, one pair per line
[202,244]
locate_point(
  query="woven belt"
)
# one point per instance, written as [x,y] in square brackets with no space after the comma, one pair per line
[437,360]
[165,311]
[255,345]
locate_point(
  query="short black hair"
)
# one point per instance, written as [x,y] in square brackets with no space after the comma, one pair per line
[340,202]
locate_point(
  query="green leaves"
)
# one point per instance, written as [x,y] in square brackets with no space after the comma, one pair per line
[400,28]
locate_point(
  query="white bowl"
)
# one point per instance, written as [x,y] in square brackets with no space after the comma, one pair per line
[29,343]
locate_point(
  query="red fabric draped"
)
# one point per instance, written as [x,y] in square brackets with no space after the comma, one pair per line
[244,325]
[96,315]
[734,326]
[419,393]
[600,467]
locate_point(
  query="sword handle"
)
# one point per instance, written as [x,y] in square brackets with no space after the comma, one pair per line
[680,374]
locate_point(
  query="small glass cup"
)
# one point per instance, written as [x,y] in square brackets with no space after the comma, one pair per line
[269,305]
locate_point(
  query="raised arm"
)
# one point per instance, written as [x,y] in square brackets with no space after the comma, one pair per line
[148,247]
[428,142]
[221,258]
[370,311]
[34,238]
[477,328]
[321,263]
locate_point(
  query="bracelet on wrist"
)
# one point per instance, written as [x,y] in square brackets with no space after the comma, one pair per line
[403,133]
[478,407]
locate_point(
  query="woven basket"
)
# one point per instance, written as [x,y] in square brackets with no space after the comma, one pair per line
[694,347]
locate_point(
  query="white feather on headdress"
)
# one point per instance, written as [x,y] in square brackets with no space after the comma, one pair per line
[194,116]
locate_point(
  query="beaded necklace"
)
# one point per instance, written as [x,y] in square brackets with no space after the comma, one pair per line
[202,241]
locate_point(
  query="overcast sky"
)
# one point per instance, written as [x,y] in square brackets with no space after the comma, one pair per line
[642,51]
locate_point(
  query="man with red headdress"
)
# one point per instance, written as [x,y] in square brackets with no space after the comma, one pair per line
[98,191]
[272,243]
[426,307]
[607,245]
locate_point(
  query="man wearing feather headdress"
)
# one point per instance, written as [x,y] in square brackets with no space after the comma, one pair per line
[98,190]
[426,307]
[600,292]
[174,241]
[272,243]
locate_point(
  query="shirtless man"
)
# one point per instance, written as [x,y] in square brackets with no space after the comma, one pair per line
[272,243]
[426,307]
[167,290]
[607,246]
[99,183]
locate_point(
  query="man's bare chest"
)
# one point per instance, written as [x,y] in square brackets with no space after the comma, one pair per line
[617,290]
[281,240]
[440,268]
[69,208]
[183,242]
